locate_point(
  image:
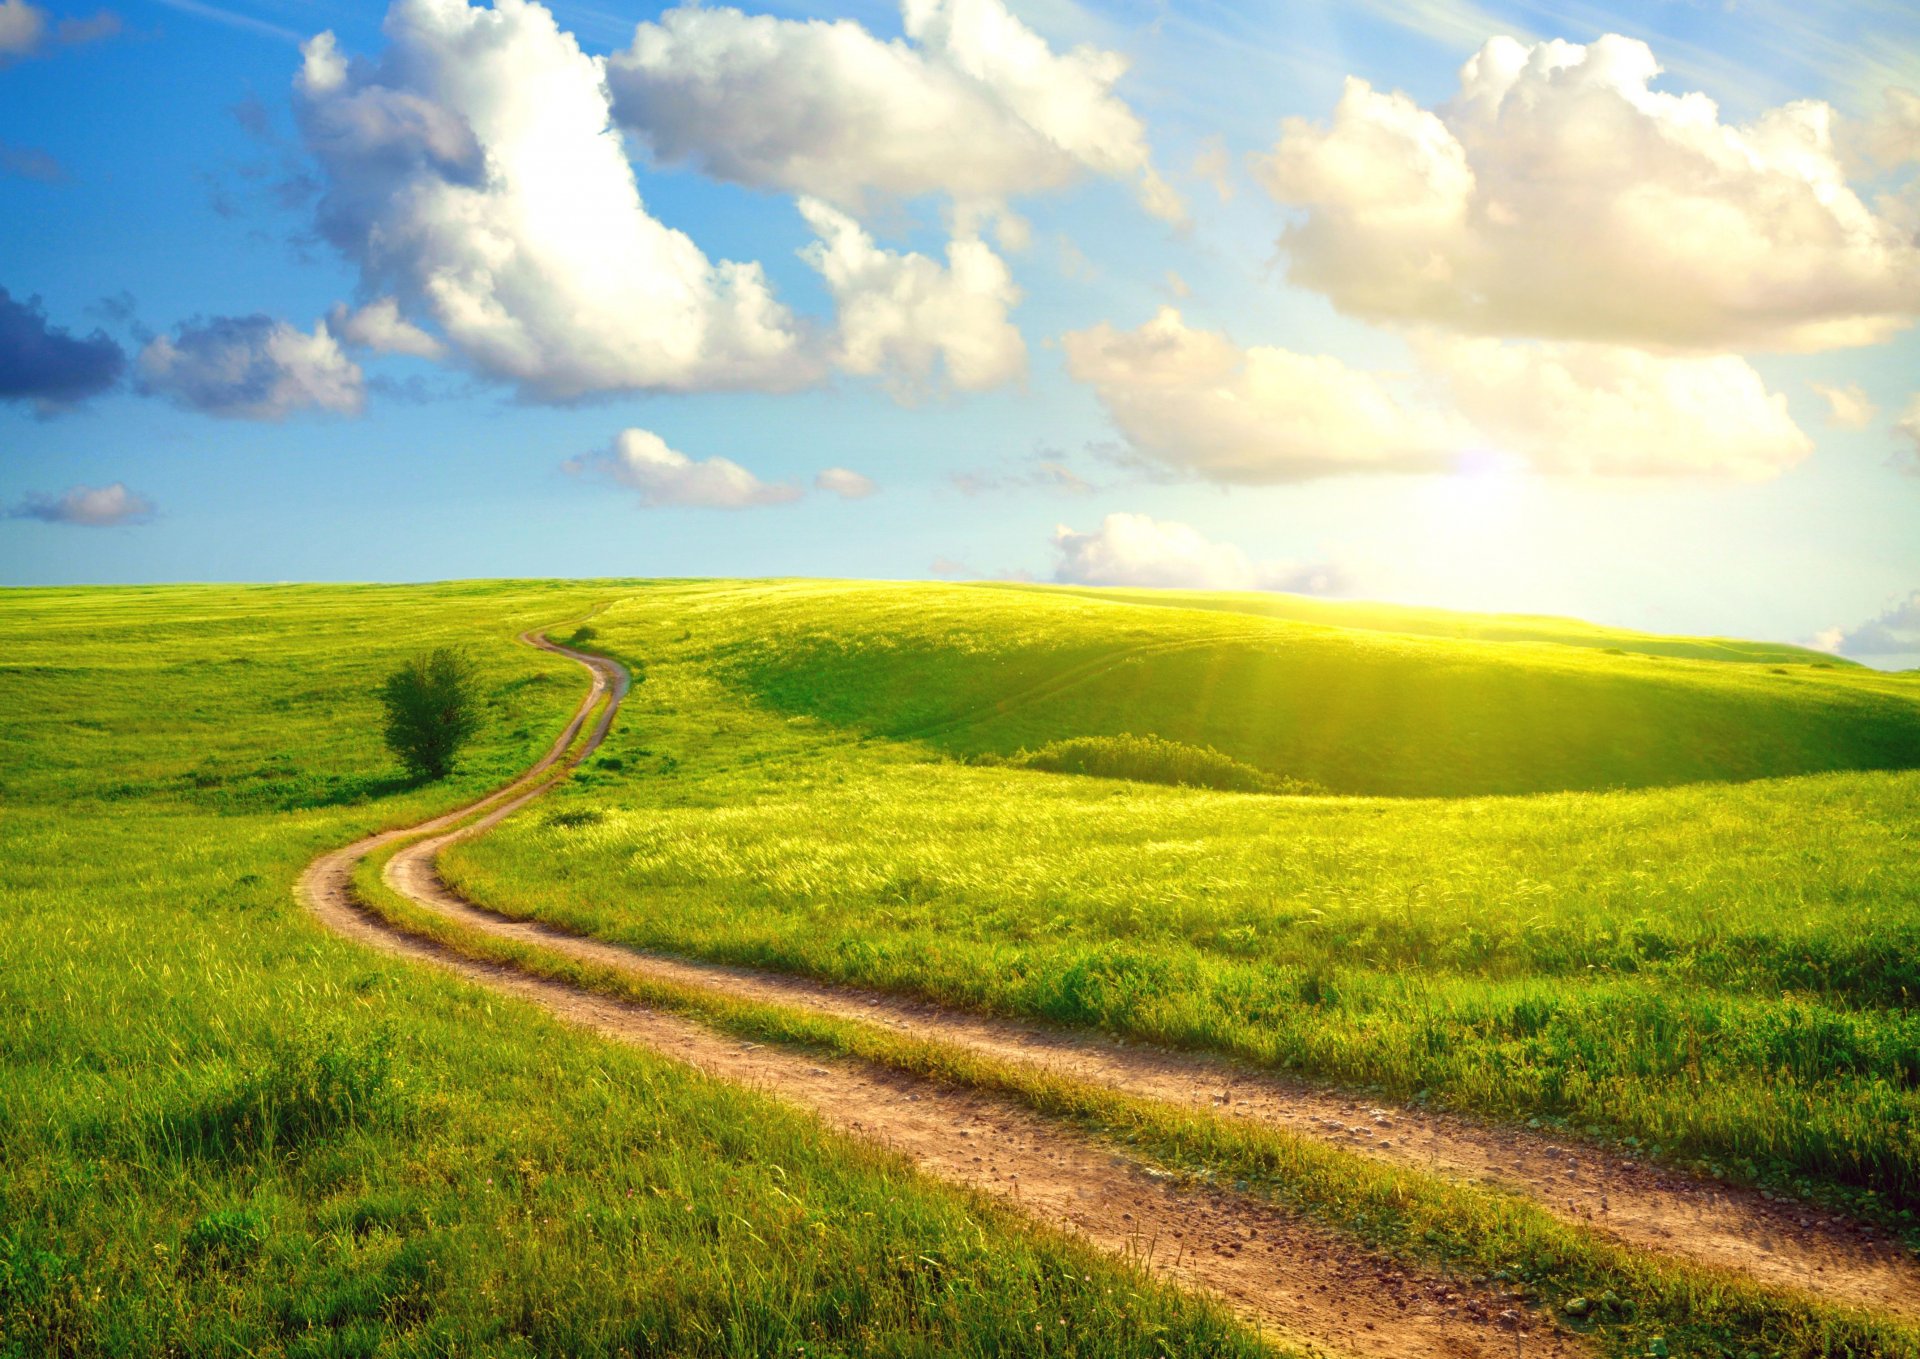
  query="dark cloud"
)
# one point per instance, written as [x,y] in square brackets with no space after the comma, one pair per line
[30,162]
[87,506]
[1894,632]
[48,365]
[251,368]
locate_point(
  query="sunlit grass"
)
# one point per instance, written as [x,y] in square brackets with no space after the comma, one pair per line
[1722,973]
[225,1132]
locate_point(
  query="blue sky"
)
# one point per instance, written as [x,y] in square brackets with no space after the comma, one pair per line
[1111,293]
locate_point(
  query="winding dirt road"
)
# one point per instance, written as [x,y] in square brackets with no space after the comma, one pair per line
[1288,1275]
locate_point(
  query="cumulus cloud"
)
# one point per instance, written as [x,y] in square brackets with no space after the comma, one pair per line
[848,485]
[906,317]
[88,506]
[1908,428]
[1605,410]
[1895,631]
[1560,196]
[251,368]
[25,30]
[641,460]
[972,103]
[379,326]
[472,173]
[1848,407]
[30,162]
[49,366]
[1891,138]
[1138,550]
[1192,401]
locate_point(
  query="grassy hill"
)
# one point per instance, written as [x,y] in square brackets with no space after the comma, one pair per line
[1428,622]
[1721,970]
[224,1131]
[1362,706]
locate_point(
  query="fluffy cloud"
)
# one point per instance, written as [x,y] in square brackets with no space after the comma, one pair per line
[641,460]
[1137,550]
[473,173]
[23,29]
[379,326]
[848,485]
[1848,407]
[30,162]
[1560,196]
[1194,402]
[1895,632]
[1908,427]
[903,316]
[1892,136]
[973,104]
[1603,410]
[89,506]
[251,368]
[49,366]
[26,32]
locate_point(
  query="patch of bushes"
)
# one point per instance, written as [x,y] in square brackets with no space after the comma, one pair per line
[1152,759]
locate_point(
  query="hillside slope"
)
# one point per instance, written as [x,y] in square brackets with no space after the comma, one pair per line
[978,670]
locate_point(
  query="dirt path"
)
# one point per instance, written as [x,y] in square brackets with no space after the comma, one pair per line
[1777,1242]
[1291,1276]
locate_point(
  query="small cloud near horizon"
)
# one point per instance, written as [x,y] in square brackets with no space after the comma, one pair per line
[87,506]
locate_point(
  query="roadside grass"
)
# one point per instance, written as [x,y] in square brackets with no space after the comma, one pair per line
[1722,976]
[225,1132]
[1635,1300]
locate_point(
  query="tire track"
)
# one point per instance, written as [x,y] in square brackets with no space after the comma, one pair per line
[1306,1284]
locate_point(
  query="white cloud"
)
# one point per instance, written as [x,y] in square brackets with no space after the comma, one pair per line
[1137,550]
[379,326]
[23,28]
[904,315]
[848,485]
[88,506]
[972,104]
[1895,631]
[1559,196]
[641,460]
[1891,138]
[1604,410]
[1194,402]
[1212,164]
[26,32]
[472,172]
[1848,407]
[251,368]
[1908,427]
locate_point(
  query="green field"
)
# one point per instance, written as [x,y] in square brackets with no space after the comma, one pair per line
[224,1132]
[1655,889]
[1727,972]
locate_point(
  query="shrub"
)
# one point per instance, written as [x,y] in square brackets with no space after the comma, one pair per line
[1151,759]
[433,708]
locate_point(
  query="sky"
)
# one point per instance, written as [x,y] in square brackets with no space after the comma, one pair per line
[1571,308]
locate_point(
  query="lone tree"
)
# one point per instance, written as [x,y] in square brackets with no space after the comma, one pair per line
[433,707]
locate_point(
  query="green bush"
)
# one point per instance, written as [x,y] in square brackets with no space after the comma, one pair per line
[433,708]
[1150,759]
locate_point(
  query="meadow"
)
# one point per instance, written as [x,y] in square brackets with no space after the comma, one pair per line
[225,1132]
[1720,973]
